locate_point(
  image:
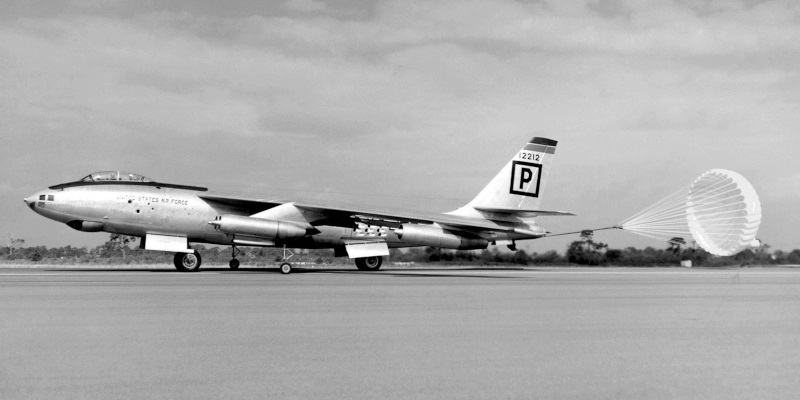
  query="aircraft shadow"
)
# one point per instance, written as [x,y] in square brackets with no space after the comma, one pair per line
[405,272]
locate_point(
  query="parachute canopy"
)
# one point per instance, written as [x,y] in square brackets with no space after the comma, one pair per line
[720,211]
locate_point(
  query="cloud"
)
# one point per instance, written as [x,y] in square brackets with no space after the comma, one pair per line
[475,67]
[95,3]
[307,6]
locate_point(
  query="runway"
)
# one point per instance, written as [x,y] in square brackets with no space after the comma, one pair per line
[400,333]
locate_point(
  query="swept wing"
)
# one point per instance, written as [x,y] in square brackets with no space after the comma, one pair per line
[347,215]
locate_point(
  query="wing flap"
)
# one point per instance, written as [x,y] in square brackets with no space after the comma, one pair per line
[524,213]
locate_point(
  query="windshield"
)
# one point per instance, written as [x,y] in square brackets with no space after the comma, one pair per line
[105,176]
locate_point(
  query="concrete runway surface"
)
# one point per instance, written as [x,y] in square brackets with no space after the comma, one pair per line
[400,333]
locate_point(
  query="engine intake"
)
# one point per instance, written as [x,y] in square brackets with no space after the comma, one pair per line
[431,235]
[264,228]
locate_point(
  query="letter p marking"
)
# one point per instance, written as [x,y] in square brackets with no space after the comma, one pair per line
[525,178]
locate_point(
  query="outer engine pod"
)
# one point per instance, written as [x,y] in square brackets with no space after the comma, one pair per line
[432,235]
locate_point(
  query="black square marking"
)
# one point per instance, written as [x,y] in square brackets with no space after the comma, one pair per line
[525,178]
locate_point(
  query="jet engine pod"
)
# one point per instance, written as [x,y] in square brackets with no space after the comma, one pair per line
[264,228]
[86,226]
[433,235]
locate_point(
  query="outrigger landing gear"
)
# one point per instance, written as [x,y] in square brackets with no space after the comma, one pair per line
[187,262]
[234,263]
[285,267]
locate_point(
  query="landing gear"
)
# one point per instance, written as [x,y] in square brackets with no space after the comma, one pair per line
[369,263]
[285,267]
[234,263]
[187,262]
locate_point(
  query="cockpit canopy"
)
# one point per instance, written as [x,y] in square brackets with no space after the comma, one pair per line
[105,176]
[114,178]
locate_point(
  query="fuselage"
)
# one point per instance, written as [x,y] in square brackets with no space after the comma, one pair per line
[142,208]
[132,209]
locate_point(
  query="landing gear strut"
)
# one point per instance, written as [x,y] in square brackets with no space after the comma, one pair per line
[187,262]
[285,267]
[234,263]
[369,263]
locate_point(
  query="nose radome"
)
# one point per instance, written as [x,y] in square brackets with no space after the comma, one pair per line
[31,200]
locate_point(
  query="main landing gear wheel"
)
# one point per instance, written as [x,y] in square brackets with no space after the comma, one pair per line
[369,263]
[286,268]
[187,262]
[234,264]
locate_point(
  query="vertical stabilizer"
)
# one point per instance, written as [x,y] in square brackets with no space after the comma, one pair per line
[520,184]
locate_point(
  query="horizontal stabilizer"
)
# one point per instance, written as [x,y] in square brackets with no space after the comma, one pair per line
[523,213]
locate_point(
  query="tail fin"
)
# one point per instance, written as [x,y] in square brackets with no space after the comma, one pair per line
[519,185]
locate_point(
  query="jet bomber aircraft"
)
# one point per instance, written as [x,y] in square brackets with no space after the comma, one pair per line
[171,217]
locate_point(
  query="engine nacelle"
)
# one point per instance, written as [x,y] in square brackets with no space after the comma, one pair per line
[264,228]
[86,226]
[436,236]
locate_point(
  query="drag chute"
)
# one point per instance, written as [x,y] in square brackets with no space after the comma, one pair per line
[720,211]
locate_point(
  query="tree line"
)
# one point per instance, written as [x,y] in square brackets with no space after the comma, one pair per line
[120,249]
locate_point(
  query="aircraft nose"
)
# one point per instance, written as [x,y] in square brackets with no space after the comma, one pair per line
[31,200]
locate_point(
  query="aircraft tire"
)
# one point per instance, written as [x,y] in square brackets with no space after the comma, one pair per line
[187,262]
[369,263]
[234,264]
[286,268]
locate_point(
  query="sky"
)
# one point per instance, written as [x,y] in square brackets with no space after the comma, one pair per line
[412,104]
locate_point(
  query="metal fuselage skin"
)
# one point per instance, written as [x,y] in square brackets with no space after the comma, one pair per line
[138,210]
[134,210]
